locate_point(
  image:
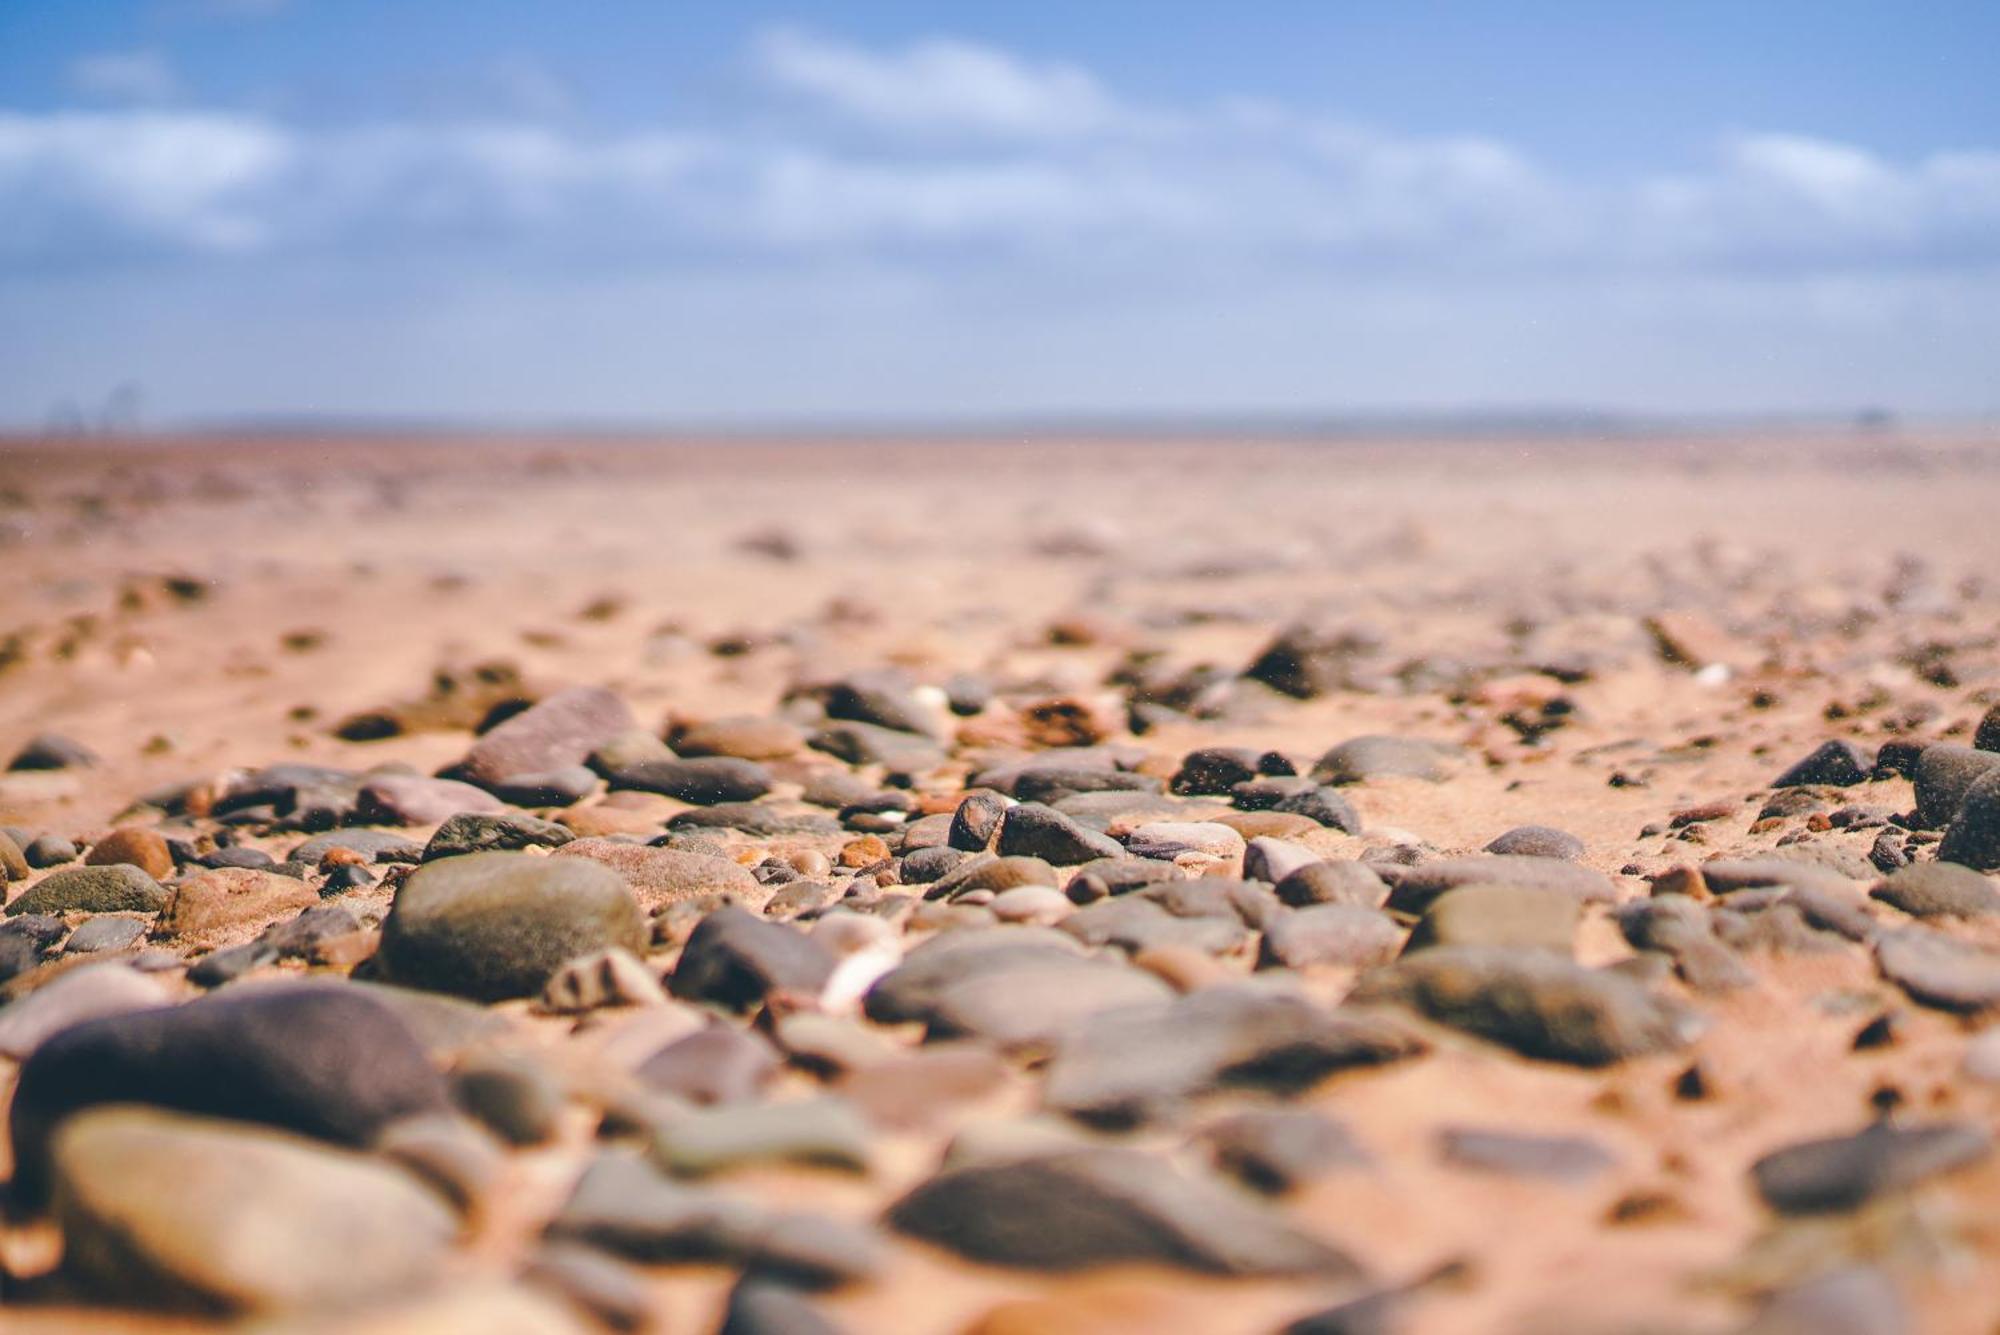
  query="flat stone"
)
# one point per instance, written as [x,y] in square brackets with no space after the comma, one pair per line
[119,888]
[320,1059]
[71,998]
[379,846]
[717,1064]
[159,1209]
[705,781]
[1513,1154]
[1842,1173]
[490,926]
[560,730]
[51,751]
[1144,1062]
[1537,1003]
[1169,839]
[662,876]
[476,832]
[1010,985]
[107,931]
[208,906]
[742,737]
[1275,1150]
[1938,890]
[1523,916]
[1348,935]
[1411,889]
[414,799]
[626,1206]
[547,788]
[1940,970]
[1360,759]
[820,1133]
[1079,1210]
[1134,923]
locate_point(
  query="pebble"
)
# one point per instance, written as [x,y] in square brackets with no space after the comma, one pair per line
[1167,840]
[609,977]
[1537,841]
[1033,830]
[742,737]
[1515,1154]
[1938,890]
[1532,1001]
[820,1133]
[1333,883]
[1348,935]
[1839,764]
[411,799]
[1842,1173]
[1940,970]
[119,888]
[548,788]
[512,1095]
[106,931]
[616,1296]
[1360,759]
[208,906]
[1276,1150]
[625,1206]
[1973,837]
[1945,772]
[1143,1063]
[556,732]
[1522,916]
[71,998]
[489,926]
[48,850]
[737,960]
[163,1210]
[136,847]
[1411,889]
[475,832]
[761,1307]
[706,781]
[320,1059]
[49,751]
[379,846]
[715,1065]
[1215,770]
[659,877]
[1079,1210]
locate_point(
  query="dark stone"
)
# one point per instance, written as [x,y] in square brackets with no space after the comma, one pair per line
[320,1059]
[50,750]
[1840,764]
[704,780]
[296,937]
[1033,830]
[738,960]
[1052,783]
[552,788]
[1843,1173]
[1333,883]
[1325,806]
[1081,1209]
[477,832]
[1215,770]
[109,931]
[1973,837]
[870,744]
[1309,659]
[1117,876]
[1944,774]
[229,964]
[252,859]
[763,1307]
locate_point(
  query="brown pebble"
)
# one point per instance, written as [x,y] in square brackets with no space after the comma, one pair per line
[141,848]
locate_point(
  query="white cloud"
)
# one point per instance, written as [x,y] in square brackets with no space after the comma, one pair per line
[125,76]
[1029,160]
[940,84]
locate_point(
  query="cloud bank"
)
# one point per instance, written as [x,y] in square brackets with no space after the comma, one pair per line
[944,165]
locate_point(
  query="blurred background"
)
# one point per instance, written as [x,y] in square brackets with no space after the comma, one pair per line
[633,213]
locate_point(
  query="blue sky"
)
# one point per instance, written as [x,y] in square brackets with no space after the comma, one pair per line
[523,211]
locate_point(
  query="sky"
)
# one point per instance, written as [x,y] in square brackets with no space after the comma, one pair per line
[692,212]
